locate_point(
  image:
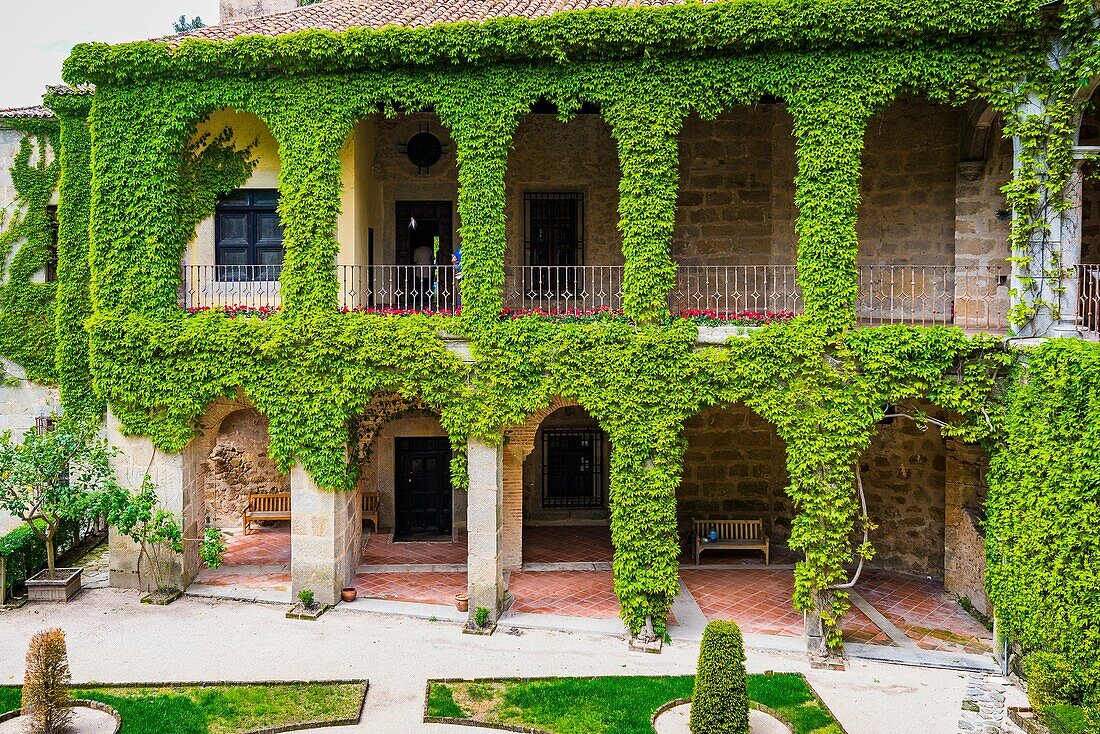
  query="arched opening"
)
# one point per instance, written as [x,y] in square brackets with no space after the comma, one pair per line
[236,256]
[414,544]
[731,504]
[557,538]
[242,492]
[734,239]
[562,193]
[933,223]
[925,495]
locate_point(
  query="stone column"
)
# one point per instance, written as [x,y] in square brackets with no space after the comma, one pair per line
[136,458]
[485,523]
[325,536]
[964,545]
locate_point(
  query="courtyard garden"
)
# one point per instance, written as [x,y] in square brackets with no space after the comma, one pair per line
[218,709]
[611,704]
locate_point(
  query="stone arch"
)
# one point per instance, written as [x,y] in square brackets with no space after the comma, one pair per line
[238,464]
[519,442]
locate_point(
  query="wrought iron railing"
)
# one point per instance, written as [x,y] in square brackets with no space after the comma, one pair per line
[734,289]
[1088,298]
[563,288]
[973,297]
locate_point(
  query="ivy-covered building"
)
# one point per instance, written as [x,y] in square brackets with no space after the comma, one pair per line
[501,272]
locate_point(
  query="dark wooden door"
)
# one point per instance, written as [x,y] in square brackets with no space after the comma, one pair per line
[422,490]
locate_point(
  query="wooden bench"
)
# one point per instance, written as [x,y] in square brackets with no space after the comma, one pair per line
[370,508]
[732,535]
[266,507]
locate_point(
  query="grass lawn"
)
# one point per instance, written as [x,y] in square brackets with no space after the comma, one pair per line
[611,705]
[218,709]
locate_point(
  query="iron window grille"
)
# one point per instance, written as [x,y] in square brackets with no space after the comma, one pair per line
[553,239]
[573,469]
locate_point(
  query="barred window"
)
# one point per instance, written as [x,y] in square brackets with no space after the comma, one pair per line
[572,469]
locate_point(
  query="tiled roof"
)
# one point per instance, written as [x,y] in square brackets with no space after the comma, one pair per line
[342,15]
[26,113]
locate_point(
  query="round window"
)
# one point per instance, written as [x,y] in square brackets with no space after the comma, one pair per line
[424,150]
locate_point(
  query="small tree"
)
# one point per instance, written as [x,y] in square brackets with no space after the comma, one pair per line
[53,476]
[140,518]
[182,25]
[720,703]
[46,682]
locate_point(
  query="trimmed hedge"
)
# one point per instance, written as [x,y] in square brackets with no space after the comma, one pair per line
[24,553]
[720,703]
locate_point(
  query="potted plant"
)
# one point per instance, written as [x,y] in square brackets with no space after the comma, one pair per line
[47,479]
[140,518]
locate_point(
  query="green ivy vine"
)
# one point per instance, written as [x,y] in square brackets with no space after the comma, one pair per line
[26,234]
[311,370]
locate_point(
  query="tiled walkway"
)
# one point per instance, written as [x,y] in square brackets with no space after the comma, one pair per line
[567,544]
[380,550]
[920,609]
[423,588]
[568,593]
[757,598]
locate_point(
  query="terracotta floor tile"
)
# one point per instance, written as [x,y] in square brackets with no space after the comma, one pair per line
[380,550]
[567,544]
[568,593]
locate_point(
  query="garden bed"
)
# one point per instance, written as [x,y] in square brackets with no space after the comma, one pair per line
[195,708]
[607,705]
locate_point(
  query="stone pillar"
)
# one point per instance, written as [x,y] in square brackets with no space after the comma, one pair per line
[136,458]
[325,537]
[964,545]
[1055,256]
[485,524]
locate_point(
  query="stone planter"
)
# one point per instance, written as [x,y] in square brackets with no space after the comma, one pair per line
[300,611]
[472,629]
[161,597]
[89,717]
[63,587]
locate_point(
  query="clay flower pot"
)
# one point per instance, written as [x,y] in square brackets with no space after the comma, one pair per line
[348,594]
[462,602]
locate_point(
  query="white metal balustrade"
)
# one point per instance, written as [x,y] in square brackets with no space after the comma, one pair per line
[972,297]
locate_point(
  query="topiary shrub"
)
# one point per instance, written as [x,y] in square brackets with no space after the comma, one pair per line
[46,698]
[720,703]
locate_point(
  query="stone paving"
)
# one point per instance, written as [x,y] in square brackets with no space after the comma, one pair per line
[567,574]
[984,705]
[96,565]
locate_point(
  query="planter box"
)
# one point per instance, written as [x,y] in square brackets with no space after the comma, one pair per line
[60,589]
[298,611]
[161,597]
[472,629]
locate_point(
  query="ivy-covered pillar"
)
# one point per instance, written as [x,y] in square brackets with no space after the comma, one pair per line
[485,528]
[1045,240]
[73,298]
[310,185]
[830,117]
[647,135]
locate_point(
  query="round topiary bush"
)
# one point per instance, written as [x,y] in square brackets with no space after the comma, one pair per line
[720,703]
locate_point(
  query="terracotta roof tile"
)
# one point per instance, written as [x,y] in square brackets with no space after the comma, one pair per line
[342,15]
[26,113]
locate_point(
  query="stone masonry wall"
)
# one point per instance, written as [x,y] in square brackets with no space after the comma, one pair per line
[734,467]
[909,168]
[239,464]
[904,476]
[964,552]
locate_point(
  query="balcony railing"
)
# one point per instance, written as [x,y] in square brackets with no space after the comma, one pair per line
[973,297]
[1088,298]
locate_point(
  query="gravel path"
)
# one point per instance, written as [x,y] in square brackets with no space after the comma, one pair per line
[113,638]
